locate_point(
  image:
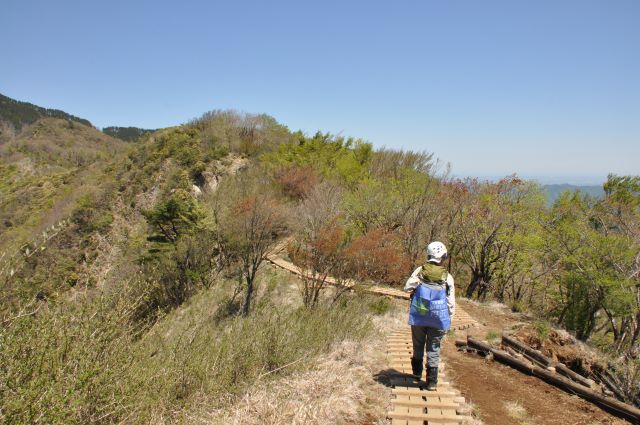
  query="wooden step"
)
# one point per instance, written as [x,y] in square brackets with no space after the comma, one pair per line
[440,418]
[425,403]
[425,393]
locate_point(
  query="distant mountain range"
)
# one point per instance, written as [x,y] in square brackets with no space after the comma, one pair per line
[18,114]
[553,191]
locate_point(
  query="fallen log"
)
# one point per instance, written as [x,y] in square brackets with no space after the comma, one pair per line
[545,361]
[562,369]
[518,356]
[500,355]
[610,404]
[460,343]
[534,355]
[608,383]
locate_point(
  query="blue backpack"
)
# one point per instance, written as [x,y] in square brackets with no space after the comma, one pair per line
[429,307]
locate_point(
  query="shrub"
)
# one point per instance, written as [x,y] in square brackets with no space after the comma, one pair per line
[379,306]
[377,256]
[542,329]
[296,182]
[213,365]
[92,214]
[66,364]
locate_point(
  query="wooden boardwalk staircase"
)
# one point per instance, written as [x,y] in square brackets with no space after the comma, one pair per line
[413,405]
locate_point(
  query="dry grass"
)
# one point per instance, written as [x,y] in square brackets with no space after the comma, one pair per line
[336,388]
[339,389]
[517,411]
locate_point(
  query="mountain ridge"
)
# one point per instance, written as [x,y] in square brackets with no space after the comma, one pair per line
[19,113]
[553,191]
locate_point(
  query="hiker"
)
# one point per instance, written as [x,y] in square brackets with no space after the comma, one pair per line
[433,305]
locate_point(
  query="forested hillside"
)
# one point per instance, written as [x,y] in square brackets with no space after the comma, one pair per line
[128,270]
[554,191]
[18,114]
[128,134]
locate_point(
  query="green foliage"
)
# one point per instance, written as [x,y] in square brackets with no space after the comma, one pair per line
[542,329]
[247,219]
[623,189]
[246,134]
[65,363]
[596,256]
[176,216]
[553,191]
[271,342]
[333,157]
[88,363]
[383,203]
[492,336]
[496,225]
[379,306]
[92,214]
[128,134]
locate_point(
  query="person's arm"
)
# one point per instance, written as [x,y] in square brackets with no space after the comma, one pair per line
[451,297]
[413,281]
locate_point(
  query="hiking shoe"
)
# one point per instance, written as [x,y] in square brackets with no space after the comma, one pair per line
[432,378]
[416,367]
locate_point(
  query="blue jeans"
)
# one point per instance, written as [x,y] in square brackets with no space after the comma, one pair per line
[430,337]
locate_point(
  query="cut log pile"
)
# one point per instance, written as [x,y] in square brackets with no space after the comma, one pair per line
[532,362]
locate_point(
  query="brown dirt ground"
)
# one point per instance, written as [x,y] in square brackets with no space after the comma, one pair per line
[494,389]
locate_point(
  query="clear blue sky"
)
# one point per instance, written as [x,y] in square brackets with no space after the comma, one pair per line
[541,88]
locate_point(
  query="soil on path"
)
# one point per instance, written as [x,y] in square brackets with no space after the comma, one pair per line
[501,395]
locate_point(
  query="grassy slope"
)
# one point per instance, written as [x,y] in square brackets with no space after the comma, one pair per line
[49,171]
[43,169]
[198,363]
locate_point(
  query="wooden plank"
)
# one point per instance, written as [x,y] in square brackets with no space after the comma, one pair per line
[402,409]
[448,419]
[423,393]
[414,411]
[411,382]
[425,403]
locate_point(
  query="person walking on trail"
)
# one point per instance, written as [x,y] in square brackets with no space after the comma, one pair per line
[432,307]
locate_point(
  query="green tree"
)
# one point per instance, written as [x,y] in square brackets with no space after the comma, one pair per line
[174,217]
[487,233]
[596,260]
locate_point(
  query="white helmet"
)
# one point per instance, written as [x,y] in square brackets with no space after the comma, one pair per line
[436,251]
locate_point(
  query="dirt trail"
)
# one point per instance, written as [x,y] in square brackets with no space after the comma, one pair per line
[501,395]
